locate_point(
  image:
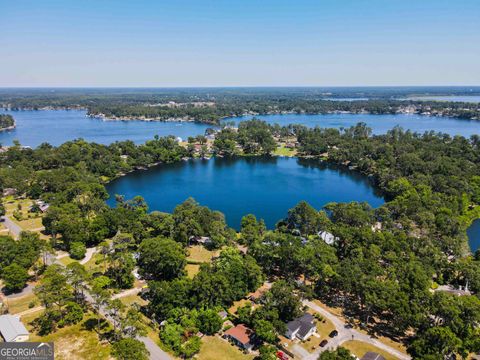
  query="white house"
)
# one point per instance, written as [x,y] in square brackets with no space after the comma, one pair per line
[12,329]
[329,238]
[301,328]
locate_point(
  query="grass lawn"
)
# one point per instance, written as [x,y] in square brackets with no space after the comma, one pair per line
[66,260]
[32,224]
[237,304]
[192,270]
[214,348]
[283,151]
[20,304]
[198,253]
[31,221]
[131,299]
[95,263]
[360,348]
[76,342]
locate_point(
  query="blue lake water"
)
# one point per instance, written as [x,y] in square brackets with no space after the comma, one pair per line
[59,126]
[265,187]
[473,233]
[380,124]
[455,98]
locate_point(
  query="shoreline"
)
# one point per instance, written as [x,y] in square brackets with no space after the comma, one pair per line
[9,128]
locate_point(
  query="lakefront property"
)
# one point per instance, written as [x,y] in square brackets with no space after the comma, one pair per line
[241,180]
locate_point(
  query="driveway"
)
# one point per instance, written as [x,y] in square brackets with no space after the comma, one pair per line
[12,226]
[345,334]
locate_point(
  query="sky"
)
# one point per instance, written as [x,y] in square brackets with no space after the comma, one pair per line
[117,43]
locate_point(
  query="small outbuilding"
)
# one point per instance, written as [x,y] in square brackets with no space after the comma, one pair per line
[12,329]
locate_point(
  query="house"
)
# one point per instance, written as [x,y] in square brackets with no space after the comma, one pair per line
[223,314]
[329,238]
[204,240]
[372,356]
[9,191]
[241,336]
[302,327]
[12,329]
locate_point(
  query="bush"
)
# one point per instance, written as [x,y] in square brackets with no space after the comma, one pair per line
[15,277]
[77,250]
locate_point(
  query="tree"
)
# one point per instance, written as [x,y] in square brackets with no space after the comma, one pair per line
[77,250]
[15,277]
[265,331]
[437,341]
[209,322]
[77,277]
[267,352]
[281,298]
[130,349]
[161,258]
[53,289]
[340,353]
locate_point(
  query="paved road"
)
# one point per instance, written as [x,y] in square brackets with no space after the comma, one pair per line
[345,334]
[12,227]
[88,255]
[128,292]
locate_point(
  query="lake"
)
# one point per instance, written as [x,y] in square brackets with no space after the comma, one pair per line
[265,187]
[380,124]
[473,233]
[59,126]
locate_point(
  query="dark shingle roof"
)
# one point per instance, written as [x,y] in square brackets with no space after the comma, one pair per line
[372,356]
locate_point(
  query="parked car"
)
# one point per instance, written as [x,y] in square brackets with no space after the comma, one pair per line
[333,333]
[323,343]
[281,355]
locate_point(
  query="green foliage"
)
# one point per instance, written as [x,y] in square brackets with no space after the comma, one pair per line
[209,322]
[15,277]
[161,258]
[339,353]
[77,250]
[130,349]
[6,121]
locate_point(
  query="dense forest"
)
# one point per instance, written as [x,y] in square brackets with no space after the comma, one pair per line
[211,105]
[6,121]
[383,269]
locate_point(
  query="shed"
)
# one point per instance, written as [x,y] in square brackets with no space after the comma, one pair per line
[12,329]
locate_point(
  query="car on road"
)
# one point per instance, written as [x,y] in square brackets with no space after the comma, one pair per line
[333,333]
[323,343]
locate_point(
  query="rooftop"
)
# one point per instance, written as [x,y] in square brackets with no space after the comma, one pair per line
[241,333]
[372,356]
[11,327]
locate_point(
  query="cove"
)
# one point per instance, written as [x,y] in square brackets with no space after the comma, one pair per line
[264,186]
[473,233]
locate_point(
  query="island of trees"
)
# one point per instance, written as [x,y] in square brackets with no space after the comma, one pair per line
[6,122]
[385,267]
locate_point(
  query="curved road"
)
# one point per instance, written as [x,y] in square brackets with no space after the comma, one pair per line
[346,334]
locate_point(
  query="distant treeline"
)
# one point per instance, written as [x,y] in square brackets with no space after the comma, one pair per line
[6,121]
[210,105]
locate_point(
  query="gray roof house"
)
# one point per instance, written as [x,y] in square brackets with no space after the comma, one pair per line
[302,327]
[12,329]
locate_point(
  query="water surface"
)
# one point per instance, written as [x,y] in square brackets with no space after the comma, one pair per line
[265,187]
[473,233]
[59,126]
[380,124]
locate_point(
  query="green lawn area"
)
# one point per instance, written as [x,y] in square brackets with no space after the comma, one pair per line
[214,348]
[20,304]
[95,263]
[237,304]
[76,342]
[283,151]
[360,348]
[131,299]
[66,260]
[31,221]
[192,270]
[199,254]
